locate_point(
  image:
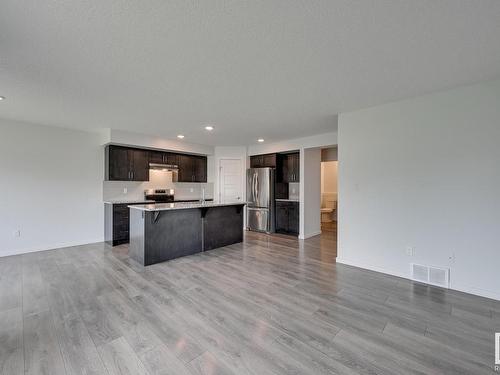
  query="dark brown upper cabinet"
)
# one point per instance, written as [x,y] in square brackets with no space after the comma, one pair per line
[126,164]
[132,164]
[292,163]
[161,157]
[263,161]
[192,168]
[288,169]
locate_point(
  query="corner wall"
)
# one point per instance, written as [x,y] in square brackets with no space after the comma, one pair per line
[50,187]
[424,173]
[310,192]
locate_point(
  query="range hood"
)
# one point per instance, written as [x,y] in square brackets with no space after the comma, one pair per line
[164,167]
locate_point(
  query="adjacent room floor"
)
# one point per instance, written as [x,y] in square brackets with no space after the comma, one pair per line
[271,305]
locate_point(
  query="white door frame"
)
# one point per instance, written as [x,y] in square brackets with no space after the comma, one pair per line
[243,178]
[243,164]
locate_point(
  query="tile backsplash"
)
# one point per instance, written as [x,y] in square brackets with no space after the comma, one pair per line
[293,190]
[134,190]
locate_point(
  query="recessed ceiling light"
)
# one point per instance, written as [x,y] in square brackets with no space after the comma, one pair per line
[2,97]
[260,140]
[209,128]
[180,136]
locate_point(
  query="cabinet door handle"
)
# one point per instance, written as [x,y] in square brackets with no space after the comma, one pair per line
[132,173]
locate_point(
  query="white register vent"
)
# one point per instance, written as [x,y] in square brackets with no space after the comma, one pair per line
[431,275]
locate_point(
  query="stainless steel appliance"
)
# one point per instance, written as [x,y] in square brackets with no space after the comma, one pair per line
[159,195]
[260,199]
[173,168]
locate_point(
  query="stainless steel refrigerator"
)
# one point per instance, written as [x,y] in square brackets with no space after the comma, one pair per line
[260,199]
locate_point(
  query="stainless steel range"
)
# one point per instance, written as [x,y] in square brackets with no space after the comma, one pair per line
[159,195]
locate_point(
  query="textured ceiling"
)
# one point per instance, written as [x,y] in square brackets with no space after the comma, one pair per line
[274,69]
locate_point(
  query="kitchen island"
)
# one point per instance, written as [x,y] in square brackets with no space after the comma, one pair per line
[160,232]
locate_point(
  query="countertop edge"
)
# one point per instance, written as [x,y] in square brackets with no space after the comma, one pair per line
[182,206]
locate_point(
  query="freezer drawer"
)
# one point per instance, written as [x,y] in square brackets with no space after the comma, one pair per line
[259,219]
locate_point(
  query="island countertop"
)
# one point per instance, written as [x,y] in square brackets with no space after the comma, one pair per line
[183,205]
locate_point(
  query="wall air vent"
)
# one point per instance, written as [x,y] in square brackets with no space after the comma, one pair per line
[431,275]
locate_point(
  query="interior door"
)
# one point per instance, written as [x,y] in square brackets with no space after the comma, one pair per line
[230,180]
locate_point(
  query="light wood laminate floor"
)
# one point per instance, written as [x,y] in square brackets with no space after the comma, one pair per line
[271,305]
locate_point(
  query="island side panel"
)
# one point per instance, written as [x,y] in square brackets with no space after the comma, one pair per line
[172,234]
[136,232]
[223,226]
[108,223]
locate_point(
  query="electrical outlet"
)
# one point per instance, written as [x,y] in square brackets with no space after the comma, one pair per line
[451,258]
[191,190]
[410,251]
[17,233]
[125,190]
[293,190]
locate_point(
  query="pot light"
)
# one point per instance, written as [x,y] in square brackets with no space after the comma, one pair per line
[209,128]
[2,97]
[180,136]
[260,140]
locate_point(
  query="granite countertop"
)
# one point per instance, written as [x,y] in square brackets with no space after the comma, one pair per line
[117,201]
[286,200]
[183,205]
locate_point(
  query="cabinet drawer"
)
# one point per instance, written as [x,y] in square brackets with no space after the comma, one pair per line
[121,235]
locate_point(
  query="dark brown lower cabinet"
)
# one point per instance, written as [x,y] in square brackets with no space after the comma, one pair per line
[117,223]
[287,217]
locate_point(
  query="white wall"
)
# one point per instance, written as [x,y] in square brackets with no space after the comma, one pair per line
[310,193]
[424,173]
[50,187]
[321,140]
[142,140]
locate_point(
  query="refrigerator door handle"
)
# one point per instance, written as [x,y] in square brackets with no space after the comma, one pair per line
[257,187]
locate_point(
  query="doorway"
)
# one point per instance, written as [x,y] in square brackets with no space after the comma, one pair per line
[329,195]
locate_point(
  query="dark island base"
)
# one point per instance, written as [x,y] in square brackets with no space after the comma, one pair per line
[157,236]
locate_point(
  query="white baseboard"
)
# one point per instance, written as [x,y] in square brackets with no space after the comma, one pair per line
[457,287]
[309,235]
[49,247]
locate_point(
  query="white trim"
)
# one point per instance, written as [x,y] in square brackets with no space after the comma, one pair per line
[243,176]
[217,190]
[459,288]
[309,235]
[49,247]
